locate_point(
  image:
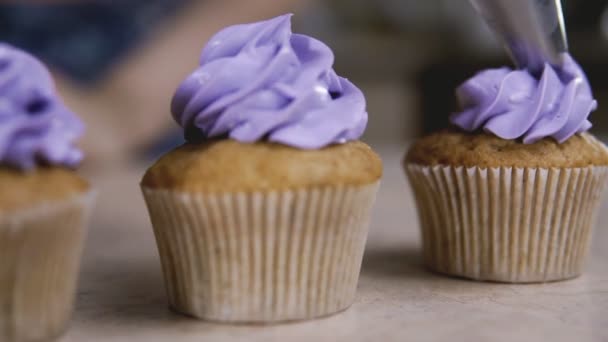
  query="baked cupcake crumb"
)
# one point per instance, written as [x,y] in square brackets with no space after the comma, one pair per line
[229,165]
[457,148]
[22,190]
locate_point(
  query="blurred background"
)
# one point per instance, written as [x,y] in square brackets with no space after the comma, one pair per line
[117,63]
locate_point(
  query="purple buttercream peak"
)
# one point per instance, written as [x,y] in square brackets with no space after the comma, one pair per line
[514,104]
[260,81]
[35,125]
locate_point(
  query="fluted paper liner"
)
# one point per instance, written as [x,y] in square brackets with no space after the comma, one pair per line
[261,256]
[40,251]
[507,224]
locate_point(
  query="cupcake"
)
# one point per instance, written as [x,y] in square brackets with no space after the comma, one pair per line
[262,216]
[43,203]
[511,192]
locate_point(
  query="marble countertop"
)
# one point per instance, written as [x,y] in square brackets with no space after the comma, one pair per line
[121,294]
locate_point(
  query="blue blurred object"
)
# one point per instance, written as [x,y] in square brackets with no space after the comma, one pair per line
[83,40]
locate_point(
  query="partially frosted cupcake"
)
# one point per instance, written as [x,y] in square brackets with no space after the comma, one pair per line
[511,193]
[263,215]
[43,203]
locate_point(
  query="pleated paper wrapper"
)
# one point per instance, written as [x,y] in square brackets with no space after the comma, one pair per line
[40,251]
[261,256]
[514,225]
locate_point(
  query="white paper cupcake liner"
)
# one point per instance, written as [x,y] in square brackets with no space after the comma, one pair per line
[507,224]
[261,256]
[40,251]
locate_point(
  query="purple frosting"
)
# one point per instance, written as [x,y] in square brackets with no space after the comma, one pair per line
[35,125]
[514,104]
[260,81]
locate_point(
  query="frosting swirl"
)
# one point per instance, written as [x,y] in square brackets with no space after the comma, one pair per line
[514,104]
[260,81]
[35,125]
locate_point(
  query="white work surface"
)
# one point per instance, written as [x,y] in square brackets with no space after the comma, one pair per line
[121,293]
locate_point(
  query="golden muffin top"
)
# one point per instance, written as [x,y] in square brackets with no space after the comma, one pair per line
[457,148]
[229,166]
[22,190]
